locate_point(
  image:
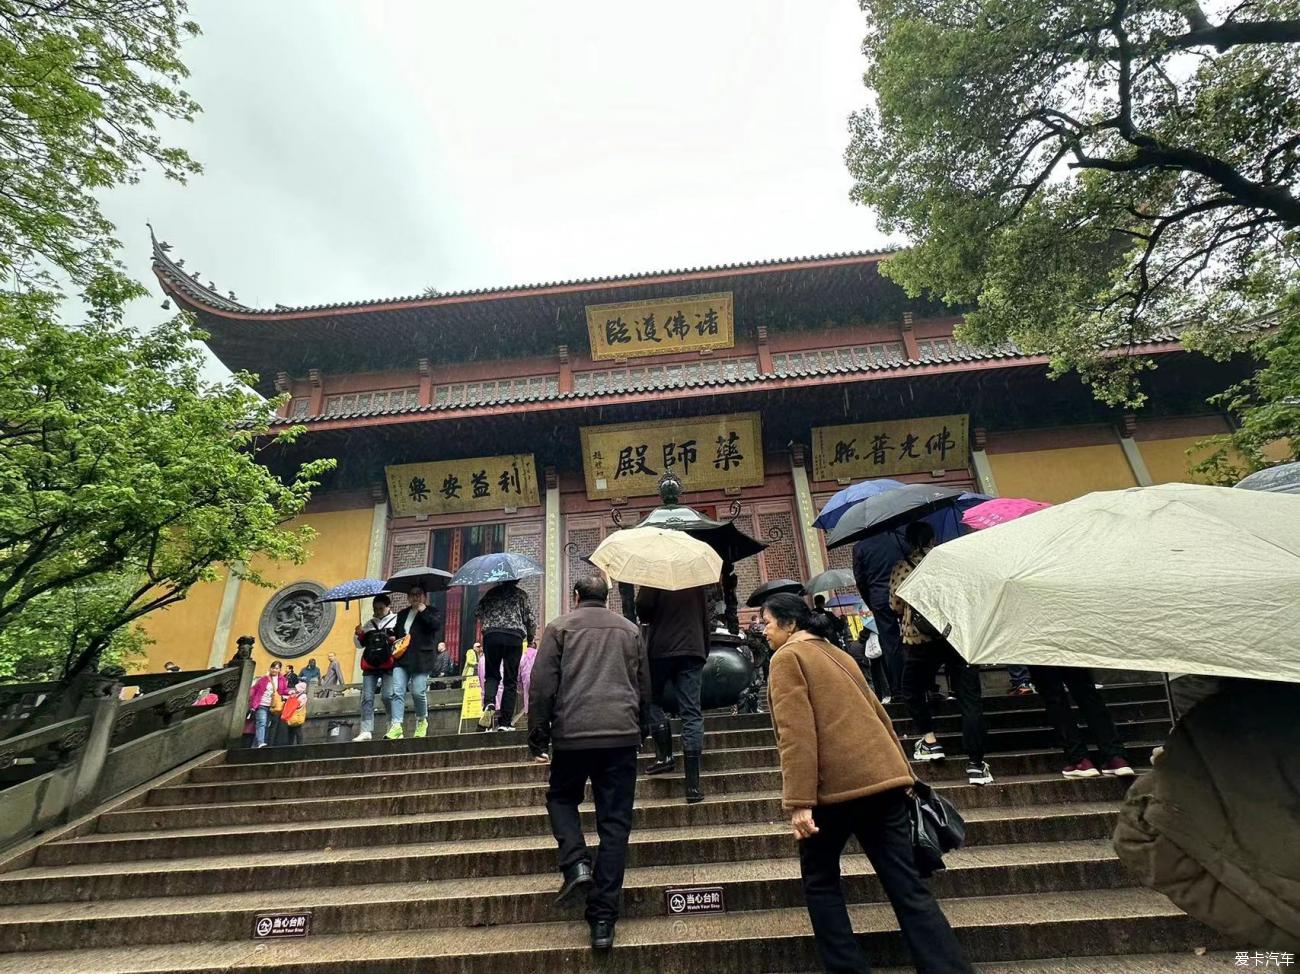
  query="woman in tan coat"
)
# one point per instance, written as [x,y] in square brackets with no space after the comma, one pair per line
[843,773]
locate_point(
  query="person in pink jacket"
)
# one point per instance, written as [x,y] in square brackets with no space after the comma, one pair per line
[259,700]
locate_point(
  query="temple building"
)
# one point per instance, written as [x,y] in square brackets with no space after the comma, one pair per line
[538,418]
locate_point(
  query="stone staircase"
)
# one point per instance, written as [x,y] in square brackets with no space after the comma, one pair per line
[435,856]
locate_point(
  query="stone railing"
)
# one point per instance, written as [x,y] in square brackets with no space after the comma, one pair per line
[59,770]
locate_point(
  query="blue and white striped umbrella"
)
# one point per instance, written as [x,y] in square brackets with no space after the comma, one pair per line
[357,588]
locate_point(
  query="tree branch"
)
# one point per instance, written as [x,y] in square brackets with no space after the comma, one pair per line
[1225,36]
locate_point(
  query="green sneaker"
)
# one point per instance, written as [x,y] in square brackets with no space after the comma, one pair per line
[421,728]
[394,733]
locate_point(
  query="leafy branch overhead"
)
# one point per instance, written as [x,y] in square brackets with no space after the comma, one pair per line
[1086,176]
[83,84]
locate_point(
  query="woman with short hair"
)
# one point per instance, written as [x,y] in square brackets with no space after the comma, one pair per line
[843,773]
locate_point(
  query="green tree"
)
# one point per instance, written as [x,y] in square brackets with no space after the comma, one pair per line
[1088,176]
[125,478]
[83,84]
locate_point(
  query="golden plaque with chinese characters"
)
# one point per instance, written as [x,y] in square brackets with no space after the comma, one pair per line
[865,450]
[458,486]
[708,453]
[661,326]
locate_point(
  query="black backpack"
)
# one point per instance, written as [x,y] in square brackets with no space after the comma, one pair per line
[377,652]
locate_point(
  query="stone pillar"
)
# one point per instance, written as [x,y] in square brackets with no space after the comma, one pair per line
[1132,454]
[239,705]
[980,461]
[103,696]
[375,555]
[552,594]
[225,617]
[804,512]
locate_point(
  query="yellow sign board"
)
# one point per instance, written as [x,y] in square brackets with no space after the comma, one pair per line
[896,447]
[471,701]
[458,486]
[708,453]
[661,326]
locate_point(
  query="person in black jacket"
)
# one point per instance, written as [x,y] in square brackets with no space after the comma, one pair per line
[677,638]
[874,559]
[421,622]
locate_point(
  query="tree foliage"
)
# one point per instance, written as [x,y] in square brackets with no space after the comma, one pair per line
[124,480]
[1088,176]
[83,84]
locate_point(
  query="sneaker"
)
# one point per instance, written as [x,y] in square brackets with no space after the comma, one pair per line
[489,714]
[261,745]
[394,733]
[927,752]
[363,736]
[421,728]
[1084,769]
[1117,768]
[505,728]
[886,699]
[979,774]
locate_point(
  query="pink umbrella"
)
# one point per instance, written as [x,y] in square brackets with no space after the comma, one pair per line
[998,511]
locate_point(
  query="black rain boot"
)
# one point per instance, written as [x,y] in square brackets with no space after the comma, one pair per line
[664,762]
[693,793]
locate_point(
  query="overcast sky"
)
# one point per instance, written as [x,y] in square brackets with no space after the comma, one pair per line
[372,149]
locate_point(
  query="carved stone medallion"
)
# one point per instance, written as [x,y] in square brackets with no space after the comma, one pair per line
[293,622]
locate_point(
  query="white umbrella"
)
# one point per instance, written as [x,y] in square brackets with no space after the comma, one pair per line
[1172,578]
[658,557]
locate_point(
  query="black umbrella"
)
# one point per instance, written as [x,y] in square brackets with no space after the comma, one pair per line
[429,579]
[731,543]
[775,587]
[829,581]
[890,509]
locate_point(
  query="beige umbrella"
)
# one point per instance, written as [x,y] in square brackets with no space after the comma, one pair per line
[658,557]
[1171,578]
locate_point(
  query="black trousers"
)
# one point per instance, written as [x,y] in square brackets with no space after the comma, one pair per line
[878,678]
[923,662]
[1052,683]
[294,734]
[891,645]
[612,773]
[881,826]
[502,652]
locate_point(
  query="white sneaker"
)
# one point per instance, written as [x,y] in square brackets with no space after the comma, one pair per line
[363,736]
[261,745]
[886,699]
[979,774]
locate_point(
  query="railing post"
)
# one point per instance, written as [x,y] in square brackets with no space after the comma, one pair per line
[102,699]
[239,704]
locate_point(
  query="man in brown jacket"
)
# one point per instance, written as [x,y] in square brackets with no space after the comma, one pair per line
[589,701]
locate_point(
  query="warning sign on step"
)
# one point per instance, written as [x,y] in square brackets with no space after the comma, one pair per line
[269,926]
[695,899]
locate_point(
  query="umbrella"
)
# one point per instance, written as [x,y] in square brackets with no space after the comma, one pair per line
[357,588]
[658,557]
[890,509]
[731,543]
[999,510]
[830,580]
[775,587]
[489,569]
[1282,479]
[835,508]
[429,579]
[1177,578]
[845,601]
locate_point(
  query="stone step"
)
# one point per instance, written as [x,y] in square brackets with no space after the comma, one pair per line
[1144,692]
[500,900]
[737,797]
[994,928]
[410,851]
[510,748]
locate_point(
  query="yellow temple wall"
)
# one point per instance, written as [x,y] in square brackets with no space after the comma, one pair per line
[1057,475]
[183,632]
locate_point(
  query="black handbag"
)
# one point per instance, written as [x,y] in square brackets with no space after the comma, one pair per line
[936,828]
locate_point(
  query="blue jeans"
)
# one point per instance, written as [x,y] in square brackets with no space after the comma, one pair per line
[261,716]
[418,683]
[370,682]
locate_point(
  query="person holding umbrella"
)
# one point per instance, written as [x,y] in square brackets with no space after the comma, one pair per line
[505,616]
[926,652]
[421,622]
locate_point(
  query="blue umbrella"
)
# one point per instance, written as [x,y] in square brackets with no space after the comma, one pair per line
[835,507]
[490,569]
[845,602]
[357,588]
